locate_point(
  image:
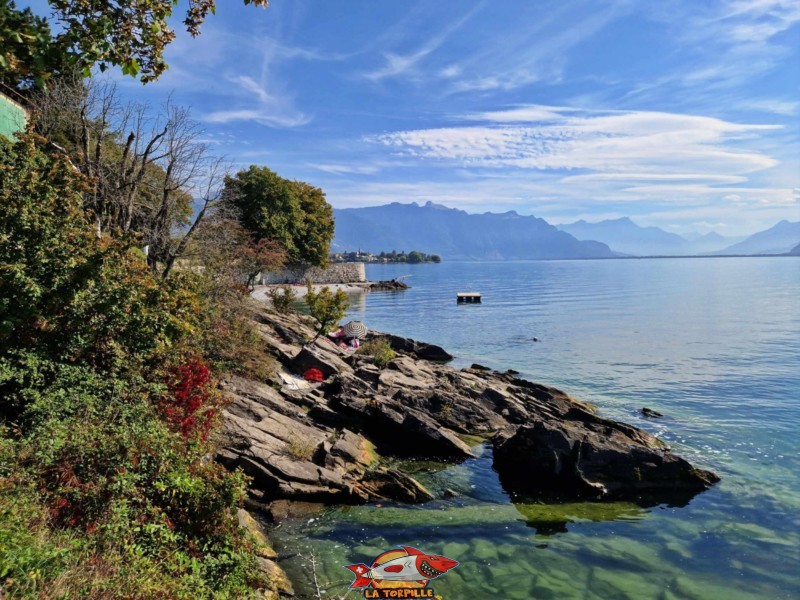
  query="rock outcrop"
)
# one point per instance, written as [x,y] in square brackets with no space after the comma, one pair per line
[595,459]
[321,442]
[289,455]
[392,285]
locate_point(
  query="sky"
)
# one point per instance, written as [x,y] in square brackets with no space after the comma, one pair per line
[682,114]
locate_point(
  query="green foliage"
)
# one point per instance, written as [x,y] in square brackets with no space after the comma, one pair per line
[282,298]
[64,291]
[325,306]
[260,256]
[292,213]
[29,55]
[97,473]
[313,238]
[132,35]
[379,350]
[105,409]
[415,257]
[227,336]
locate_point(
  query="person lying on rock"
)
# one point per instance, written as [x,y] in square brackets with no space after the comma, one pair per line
[341,339]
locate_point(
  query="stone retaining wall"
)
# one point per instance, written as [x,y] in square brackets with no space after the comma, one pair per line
[336,273]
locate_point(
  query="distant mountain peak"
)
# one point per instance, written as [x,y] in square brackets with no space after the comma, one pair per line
[781,238]
[430,204]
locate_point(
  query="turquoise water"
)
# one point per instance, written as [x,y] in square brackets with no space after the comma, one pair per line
[713,344]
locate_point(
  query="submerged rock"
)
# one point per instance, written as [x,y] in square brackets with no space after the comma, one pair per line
[650,413]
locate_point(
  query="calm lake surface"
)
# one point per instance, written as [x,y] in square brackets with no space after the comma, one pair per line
[713,344]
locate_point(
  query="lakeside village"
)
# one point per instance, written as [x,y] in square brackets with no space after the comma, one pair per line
[413,257]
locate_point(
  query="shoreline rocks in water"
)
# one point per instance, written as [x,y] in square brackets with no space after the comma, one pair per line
[323,442]
[391,285]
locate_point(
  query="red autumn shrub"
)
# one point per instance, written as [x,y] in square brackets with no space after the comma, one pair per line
[191,404]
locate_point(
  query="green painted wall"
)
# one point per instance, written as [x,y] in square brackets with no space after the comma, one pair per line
[12,117]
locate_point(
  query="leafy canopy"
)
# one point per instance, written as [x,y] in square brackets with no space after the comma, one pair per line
[64,291]
[28,52]
[326,306]
[132,34]
[292,213]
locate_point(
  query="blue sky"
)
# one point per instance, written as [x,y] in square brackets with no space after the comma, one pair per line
[683,114]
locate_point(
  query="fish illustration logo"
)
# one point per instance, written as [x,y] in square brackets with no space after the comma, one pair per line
[404,568]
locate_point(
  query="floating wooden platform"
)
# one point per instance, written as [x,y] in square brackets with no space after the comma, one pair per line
[468,298]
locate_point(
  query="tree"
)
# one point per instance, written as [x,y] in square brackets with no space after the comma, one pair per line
[325,306]
[263,255]
[28,53]
[111,405]
[435,258]
[147,168]
[292,213]
[314,241]
[415,257]
[130,34]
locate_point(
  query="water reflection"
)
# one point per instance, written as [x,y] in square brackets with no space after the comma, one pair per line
[550,519]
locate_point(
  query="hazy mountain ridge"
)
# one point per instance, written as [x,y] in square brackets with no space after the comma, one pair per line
[781,238]
[455,234]
[623,235]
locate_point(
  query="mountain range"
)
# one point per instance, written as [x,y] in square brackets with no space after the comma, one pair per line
[458,235]
[455,234]
[625,236]
[781,238]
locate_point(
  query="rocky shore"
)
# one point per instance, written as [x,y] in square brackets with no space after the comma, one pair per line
[323,442]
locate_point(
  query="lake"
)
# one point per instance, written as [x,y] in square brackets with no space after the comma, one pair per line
[712,344]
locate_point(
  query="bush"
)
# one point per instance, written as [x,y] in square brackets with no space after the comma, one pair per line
[379,350]
[282,298]
[99,473]
[106,487]
[300,448]
[325,306]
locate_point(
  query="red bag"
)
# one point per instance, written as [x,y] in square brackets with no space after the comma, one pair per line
[313,375]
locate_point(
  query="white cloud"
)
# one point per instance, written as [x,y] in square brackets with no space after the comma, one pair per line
[264,108]
[523,114]
[340,169]
[401,64]
[759,20]
[786,108]
[721,47]
[656,143]
[670,177]
[451,71]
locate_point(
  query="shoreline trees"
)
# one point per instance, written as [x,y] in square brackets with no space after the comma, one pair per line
[292,213]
